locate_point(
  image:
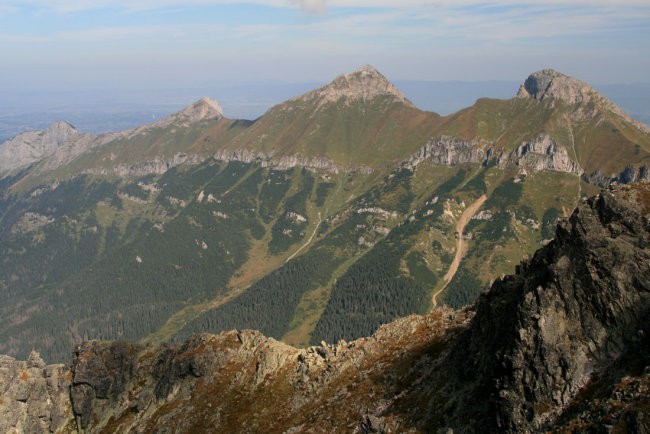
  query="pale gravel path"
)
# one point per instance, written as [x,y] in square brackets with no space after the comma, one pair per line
[308,241]
[467,215]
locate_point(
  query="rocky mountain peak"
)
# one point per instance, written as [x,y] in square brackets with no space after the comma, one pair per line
[33,146]
[203,109]
[551,84]
[61,131]
[365,84]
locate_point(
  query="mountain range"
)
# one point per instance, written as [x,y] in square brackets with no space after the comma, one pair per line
[335,212]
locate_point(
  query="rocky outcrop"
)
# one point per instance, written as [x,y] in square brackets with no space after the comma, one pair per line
[34,398]
[550,84]
[629,175]
[450,151]
[364,84]
[160,165]
[33,146]
[287,162]
[543,340]
[157,165]
[538,154]
[242,381]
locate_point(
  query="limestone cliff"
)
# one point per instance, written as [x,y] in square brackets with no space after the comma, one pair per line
[34,398]
[628,175]
[540,153]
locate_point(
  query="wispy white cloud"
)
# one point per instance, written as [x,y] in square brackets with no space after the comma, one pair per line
[310,6]
[434,23]
[407,35]
[318,7]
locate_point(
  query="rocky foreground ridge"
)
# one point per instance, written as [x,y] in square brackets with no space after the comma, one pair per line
[562,345]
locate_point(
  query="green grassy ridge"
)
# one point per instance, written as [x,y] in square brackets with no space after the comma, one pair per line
[371,133]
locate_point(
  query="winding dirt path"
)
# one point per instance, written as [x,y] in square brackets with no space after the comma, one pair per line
[467,215]
[308,241]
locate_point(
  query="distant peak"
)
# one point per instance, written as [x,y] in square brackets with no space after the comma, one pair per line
[60,132]
[365,83]
[201,110]
[205,108]
[368,69]
[59,127]
[551,84]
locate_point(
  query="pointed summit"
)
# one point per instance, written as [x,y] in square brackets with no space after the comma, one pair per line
[201,110]
[59,132]
[364,84]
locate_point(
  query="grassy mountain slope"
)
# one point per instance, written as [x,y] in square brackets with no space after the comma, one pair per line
[377,133]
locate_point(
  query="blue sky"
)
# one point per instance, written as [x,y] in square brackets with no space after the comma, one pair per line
[155,44]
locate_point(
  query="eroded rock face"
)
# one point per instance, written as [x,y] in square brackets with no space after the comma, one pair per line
[629,175]
[157,165]
[450,151]
[575,313]
[538,154]
[33,146]
[34,398]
